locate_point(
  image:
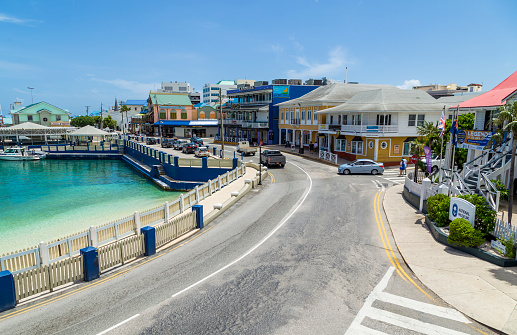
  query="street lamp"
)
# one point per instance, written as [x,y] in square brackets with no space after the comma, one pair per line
[260,163]
[32,99]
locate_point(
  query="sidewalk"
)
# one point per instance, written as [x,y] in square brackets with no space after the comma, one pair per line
[483,291]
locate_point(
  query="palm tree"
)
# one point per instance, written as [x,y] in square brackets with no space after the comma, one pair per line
[417,149]
[507,120]
[428,130]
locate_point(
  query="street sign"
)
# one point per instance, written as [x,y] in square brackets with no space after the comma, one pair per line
[261,143]
[413,159]
[460,208]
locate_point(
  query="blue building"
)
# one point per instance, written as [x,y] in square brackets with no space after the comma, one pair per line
[253,116]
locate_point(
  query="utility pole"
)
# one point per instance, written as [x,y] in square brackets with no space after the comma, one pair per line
[100,127]
[222,123]
[31,88]
[87,110]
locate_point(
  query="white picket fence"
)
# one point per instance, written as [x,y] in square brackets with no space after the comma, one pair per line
[70,246]
[504,230]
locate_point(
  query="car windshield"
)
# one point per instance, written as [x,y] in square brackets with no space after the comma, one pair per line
[274,153]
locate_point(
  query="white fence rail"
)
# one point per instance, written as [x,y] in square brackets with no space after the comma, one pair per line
[328,156]
[504,230]
[70,246]
[169,231]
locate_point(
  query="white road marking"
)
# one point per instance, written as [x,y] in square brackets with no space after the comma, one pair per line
[258,244]
[400,320]
[118,324]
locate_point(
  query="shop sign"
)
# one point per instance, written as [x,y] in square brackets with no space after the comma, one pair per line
[474,139]
[281,91]
[461,208]
[60,123]
[396,149]
[497,245]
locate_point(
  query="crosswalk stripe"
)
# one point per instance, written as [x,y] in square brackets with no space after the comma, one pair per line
[440,311]
[409,323]
[362,330]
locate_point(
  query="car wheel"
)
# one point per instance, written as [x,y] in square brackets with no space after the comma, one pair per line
[374,172]
[282,165]
[346,171]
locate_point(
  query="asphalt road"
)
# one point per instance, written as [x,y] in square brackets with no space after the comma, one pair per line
[309,252]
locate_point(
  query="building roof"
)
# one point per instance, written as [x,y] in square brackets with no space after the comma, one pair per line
[28,125]
[334,93]
[174,99]
[387,100]
[136,102]
[495,97]
[89,131]
[226,82]
[452,100]
[39,106]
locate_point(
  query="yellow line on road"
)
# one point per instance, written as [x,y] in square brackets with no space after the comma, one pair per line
[96,283]
[272,177]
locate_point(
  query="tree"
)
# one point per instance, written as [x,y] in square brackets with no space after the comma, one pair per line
[123,109]
[109,122]
[430,131]
[97,120]
[417,149]
[81,121]
[507,120]
[465,122]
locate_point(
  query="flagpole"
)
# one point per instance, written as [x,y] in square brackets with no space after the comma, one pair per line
[441,149]
[454,119]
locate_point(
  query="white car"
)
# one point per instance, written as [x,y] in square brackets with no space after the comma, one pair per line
[202,152]
[435,162]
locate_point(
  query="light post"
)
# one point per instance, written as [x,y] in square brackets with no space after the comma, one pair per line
[260,164]
[222,122]
[32,99]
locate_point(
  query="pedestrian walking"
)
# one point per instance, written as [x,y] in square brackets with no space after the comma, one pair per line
[316,147]
[311,146]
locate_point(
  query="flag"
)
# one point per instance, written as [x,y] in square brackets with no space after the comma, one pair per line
[454,131]
[441,123]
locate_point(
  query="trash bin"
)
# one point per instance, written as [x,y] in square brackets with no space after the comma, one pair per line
[301,150]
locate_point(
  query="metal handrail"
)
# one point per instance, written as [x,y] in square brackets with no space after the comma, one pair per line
[463,189]
[489,192]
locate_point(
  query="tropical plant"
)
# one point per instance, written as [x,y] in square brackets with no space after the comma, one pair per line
[462,233]
[438,209]
[430,131]
[510,245]
[81,121]
[109,122]
[503,191]
[485,215]
[97,120]
[507,120]
[417,149]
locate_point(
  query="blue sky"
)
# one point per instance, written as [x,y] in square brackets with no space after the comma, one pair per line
[78,53]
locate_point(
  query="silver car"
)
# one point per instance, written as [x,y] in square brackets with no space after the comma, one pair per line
[361,166]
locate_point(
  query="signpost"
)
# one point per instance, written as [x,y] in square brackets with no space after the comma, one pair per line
[413,159]
[460,208]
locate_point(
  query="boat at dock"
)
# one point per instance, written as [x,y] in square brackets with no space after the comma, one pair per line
[21,154]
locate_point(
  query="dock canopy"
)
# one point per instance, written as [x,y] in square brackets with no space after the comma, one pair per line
[89,131]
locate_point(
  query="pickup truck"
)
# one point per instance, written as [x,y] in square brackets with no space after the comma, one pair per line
[272,157]
[244,147]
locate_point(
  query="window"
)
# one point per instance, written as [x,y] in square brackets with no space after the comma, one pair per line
[357,147]
[282,116]
[384,145]
[29,117]
[383,120]
[345,119]
[162,115]
[58,117]
[173,116]
[45,119]
[339,119]
[309,115]
[417,120]
[331,119]
[356,119]
[183,115]
[407,149]
[182,89]
[303,115]
[340,145]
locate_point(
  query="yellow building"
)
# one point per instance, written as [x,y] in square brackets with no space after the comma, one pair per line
[298,118]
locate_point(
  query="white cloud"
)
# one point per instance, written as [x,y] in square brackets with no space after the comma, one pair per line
[408,84]
[132,86]
[335,64]
[12,19]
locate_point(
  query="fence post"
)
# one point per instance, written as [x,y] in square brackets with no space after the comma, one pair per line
[182,206]
[196,193]
[90,263]
[7,292]
[210,186]
[166,212]
[93,236]
[219,186]
[136,216]
[199,215]
[43,253]
[214,151]
[426,184]
[149,240]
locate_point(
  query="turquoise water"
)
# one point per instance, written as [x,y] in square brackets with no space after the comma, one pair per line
[48,199]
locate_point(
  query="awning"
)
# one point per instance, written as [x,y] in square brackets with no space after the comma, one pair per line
[410,139]
[341,137]
[357,139]
[191,123]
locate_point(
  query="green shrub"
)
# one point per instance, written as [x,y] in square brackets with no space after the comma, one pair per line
[462,233]
[510,246]
[503,191]
[438,209]
[485,216]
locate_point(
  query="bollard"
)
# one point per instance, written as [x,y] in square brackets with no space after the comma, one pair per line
[7,292]
[214,150]
[199,215]
[149,240]
[426,184]
[90,263]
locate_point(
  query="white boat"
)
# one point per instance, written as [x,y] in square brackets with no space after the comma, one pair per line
[21,154]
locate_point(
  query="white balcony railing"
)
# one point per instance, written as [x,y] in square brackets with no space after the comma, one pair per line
[255,125]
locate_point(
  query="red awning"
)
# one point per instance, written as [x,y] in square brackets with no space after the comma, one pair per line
[494,97]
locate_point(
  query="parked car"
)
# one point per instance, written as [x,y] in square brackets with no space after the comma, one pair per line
[178,145]
[197,140]
[167,143]
[189,148]
[244,147]
[150,141]
[361,166]
[272,157]
[202,152]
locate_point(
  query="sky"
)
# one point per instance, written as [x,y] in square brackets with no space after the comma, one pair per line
[84,53]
